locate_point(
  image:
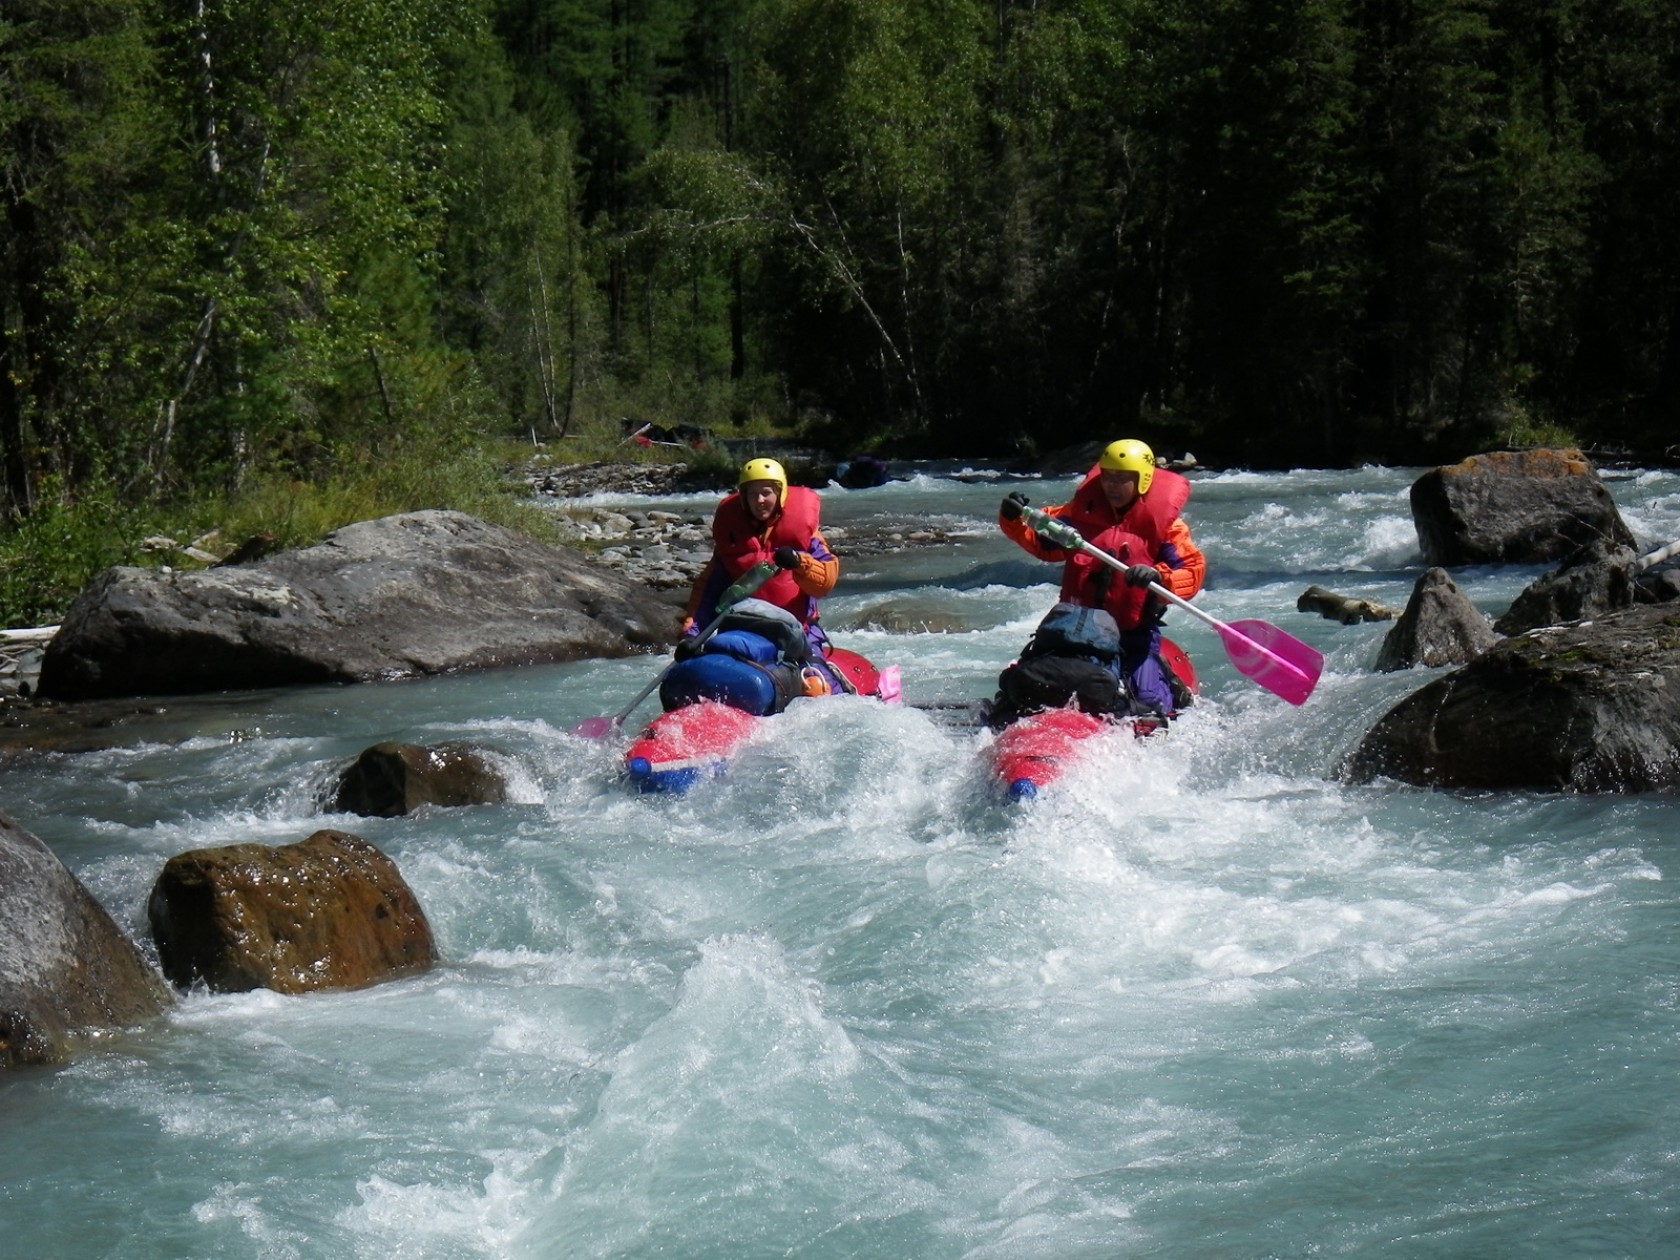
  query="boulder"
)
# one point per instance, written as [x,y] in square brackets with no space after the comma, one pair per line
[255,548]
[417,594]
[1440,626]
[1513,507]
[392,779]
[329,913]
[1658,586]
[1586,707]
[66,969]
[1594,580]
[861,472]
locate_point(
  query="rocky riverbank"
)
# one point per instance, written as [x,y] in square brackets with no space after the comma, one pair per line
[659,551]
[665,550]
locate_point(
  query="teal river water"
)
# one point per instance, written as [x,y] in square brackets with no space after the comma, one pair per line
[1207,1001]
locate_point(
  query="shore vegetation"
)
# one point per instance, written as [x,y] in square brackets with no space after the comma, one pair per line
[263,266]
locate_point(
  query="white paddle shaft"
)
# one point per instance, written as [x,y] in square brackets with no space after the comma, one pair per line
[1066,536]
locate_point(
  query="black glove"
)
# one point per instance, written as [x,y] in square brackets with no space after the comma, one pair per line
[785,558]
[1011,507]
[688,646]
[1142,575]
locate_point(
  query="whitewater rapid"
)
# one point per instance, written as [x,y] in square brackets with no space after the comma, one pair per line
[1206,999]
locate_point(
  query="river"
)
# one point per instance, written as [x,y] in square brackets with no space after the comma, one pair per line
[1204,1000]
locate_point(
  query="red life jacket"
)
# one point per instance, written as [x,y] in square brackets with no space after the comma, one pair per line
[739,542]
[1133,537]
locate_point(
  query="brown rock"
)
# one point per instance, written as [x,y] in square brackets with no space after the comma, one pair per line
[330,913]
[392,779]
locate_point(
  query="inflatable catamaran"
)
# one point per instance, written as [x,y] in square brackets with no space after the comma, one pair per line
[749,664]
[756,664]
[1073,681]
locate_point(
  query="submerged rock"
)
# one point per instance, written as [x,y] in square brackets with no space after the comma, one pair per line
[66,969]
[423,593]
[391,779]
[1439,627]
[861,472]
[1587,707]
[329,913]
[1513,507]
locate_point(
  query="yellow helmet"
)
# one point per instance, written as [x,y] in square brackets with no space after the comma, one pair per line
[764,470]
[1130,455]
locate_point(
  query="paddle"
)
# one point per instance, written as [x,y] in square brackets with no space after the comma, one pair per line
[749,582]
[1278,661]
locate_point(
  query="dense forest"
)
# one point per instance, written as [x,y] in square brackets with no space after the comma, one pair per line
[242,234]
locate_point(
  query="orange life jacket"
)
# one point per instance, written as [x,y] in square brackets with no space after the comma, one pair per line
[1134,536]
[739,542]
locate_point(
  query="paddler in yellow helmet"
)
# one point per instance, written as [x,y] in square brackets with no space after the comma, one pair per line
[766,519]
[1130,508]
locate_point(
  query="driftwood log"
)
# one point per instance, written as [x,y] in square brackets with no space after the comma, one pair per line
[1656,557]
[1342,608]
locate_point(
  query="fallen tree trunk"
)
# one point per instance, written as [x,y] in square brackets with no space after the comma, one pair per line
[1656,557]
[1342,608]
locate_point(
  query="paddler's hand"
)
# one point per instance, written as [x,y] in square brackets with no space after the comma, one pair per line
[1010,509]
[688,646]
[1142,575]
[785,558]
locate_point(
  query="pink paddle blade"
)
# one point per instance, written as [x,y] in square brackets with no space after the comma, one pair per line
[890,689]
[596,728]
[1278,661]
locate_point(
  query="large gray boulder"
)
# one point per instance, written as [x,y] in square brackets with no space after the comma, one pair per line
[66,969]
[1595,580]
[1439,627]
[422,593]
[1513,507]
[1593,706]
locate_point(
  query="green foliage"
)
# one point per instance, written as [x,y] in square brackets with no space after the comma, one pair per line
[248,246]
[1523,432]
[46,559]
[401,477]
[220,219]
[80,141]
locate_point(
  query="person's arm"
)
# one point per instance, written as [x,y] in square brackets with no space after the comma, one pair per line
[1181,563]
[817,570]
[703,595]
[1019,532]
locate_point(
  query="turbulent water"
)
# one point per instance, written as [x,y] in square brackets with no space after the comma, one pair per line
[1203,1000]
